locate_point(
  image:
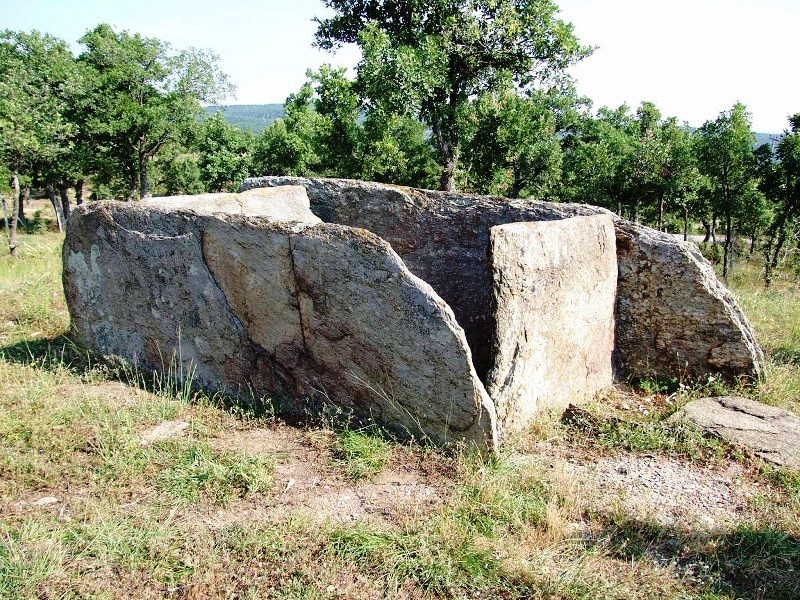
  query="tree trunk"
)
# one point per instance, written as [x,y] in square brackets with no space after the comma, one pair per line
[714,229]
[753,238]
[661,213]
[79,192]
[518,184]
[62,191]
[727,258]
[12,231]
[449,154]
[144,183]
[447,182]
[707,227]
[25,198]
[776,241]
[620,209]
[635,211]
[51,195]
[686,223]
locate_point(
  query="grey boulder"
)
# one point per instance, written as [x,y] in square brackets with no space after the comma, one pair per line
[255,305]
[769,432]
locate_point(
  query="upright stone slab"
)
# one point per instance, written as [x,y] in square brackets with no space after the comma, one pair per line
[675,318]
[261,305]
[554,287]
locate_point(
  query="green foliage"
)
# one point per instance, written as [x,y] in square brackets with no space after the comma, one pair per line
[139,95]
[712,252]
[224,155]
[427,59]
[512,142]
[175,170]
[288,146]
[780,183]
[726,157]
[641,165]
[36,224]
[35,69]
[595,159]
[324,134]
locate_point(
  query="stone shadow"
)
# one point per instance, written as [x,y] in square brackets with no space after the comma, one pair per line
[747,562]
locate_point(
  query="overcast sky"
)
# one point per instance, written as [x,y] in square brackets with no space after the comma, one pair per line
[693,58]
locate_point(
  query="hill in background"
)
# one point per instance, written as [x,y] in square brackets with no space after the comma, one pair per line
[255,117]
[251,117]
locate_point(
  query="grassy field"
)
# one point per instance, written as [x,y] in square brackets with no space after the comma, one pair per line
[87,510]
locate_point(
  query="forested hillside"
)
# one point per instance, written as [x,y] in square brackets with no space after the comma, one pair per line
[250,117]
[256,117]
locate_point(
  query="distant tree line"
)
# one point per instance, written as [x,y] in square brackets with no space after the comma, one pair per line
[466,94]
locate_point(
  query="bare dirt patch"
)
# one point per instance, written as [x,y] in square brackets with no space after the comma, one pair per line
[310,483]
[658,489]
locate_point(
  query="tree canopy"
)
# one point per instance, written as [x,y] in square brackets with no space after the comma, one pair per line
[428,58]
[138,95]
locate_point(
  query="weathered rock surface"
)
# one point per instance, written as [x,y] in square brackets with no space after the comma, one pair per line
[255,294]
[555,283]
[771,433]
[289,203]
[673,318]
[259,305]
[163,431]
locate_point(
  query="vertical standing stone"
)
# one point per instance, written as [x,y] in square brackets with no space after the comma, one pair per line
[554,287]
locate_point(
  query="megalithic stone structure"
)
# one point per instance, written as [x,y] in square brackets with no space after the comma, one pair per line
[441,317]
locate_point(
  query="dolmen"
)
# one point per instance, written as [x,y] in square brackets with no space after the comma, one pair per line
[441,317]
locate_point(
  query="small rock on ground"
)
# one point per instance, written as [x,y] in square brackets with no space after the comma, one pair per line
[164,431]
[46,501]
[771,433]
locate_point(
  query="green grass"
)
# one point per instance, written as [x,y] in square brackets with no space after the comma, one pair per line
[194,471]
[363,453]
[774,313]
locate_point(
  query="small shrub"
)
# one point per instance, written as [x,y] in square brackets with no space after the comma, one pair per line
[36,223]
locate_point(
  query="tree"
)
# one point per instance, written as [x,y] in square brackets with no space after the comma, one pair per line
[684,182]
[595,159]
[427,58]
[34,69]
[140,95]
[780,182]
[513,141]
[726,158]
[290,145]
[224,154]
[339,133]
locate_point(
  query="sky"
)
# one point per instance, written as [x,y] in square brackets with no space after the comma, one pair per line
[693,58]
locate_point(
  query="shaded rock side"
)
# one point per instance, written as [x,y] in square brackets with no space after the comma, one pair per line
[555,283]
[254,306]
[769,432]
[674,317]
